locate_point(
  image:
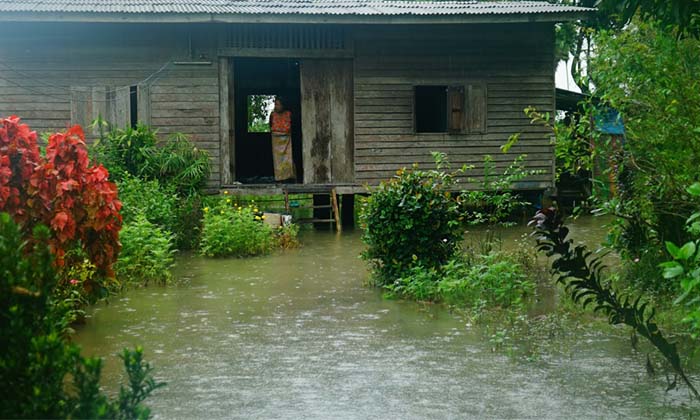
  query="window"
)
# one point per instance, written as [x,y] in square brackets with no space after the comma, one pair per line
[259,109]
[133,106]
[431,109]
[450,109]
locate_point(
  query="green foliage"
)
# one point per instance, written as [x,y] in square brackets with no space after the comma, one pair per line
[125,151]
[161,180]
[650,77]
[685,268]
[232,230]
[411,220]
[147,253]
[43,375]
[188,225]
[575,138]
[494,201]
[178,163]
[258,109]
[287,236]
[158,204]
[492,280]
[175,162]
[580,272]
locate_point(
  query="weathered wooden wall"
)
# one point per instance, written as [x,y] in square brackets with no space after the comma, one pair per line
[55,74]
[52,75]
[515,64]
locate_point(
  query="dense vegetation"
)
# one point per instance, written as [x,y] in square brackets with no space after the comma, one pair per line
[414,226]
[37,362]
[233,229]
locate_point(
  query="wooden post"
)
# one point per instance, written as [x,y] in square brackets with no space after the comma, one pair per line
[225,123]
[336,212]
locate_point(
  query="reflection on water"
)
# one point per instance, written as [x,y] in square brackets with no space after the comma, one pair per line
[298,335]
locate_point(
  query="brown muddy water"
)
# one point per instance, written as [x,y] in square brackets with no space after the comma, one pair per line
[299,335]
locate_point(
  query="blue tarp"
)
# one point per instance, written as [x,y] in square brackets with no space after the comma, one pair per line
[609,121]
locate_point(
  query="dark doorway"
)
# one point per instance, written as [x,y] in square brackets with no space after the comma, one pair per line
[256,82]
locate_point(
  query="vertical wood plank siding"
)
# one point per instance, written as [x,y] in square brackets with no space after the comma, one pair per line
[515,63]
[52,74]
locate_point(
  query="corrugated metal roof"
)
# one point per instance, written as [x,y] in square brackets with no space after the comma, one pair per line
[290,7]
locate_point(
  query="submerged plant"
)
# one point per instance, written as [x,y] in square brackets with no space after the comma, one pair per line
[580,273]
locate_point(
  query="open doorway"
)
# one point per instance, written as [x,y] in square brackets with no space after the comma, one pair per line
[257,81]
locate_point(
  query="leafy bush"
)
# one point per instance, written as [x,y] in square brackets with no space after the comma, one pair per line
[650,76]
[232,230]
[188,221]
[492,280]
[286,236]
[178,163]
[685,267]
[147,253]
[175,162]
[60,190]
[126,151]
[43,375]
[158,204]
[494,201]
[411,218]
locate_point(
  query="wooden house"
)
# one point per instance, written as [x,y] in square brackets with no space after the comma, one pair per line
[373,85]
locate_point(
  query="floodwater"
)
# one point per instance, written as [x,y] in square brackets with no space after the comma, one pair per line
[299,335]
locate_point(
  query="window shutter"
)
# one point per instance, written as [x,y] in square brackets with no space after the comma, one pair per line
[476,108]
[455,105]
[80,106]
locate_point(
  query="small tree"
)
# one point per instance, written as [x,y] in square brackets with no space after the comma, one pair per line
[409,220]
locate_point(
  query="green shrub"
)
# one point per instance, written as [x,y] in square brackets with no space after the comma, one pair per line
[232,230]
[174,162]
[125,151]
[188,222]
[286,236]
[685,268]
[410,220]
[147,253]
[494,202]
[158,204]
[177,162]
[43,375]
[493,280]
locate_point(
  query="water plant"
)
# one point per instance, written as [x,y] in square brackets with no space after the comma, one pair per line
[485,281]
[580,272]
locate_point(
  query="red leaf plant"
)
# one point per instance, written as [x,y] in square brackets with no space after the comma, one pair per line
[60,190]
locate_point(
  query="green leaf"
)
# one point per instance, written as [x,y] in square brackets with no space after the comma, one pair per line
[694,189]
[687,251]
[672,249]
[672,270]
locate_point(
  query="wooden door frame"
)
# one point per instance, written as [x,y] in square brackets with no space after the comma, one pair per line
[227,121]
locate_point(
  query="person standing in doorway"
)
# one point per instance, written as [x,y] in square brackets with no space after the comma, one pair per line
[281,131]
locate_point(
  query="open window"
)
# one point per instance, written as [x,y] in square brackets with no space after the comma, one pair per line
[450,109]
[431,109]
[259,108]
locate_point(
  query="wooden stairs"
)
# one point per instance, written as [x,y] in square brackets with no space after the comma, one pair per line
[332,206]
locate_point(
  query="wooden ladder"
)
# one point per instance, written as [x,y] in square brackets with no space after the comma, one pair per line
[333,206]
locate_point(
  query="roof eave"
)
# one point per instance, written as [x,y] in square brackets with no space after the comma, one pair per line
[551,17]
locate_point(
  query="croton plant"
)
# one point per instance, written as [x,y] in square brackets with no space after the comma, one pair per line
[62,190]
